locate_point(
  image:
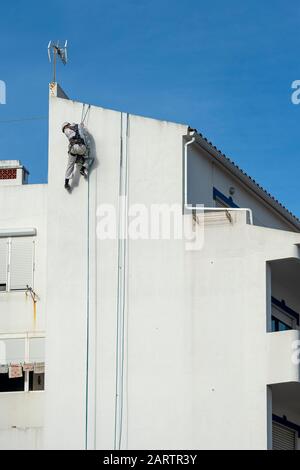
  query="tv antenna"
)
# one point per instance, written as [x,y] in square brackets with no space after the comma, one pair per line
[55,49]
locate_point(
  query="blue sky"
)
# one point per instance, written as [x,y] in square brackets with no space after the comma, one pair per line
[225,68]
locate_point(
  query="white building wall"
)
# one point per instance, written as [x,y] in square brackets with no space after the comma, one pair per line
[21,413]
[21,420]
[197,362]
[197,358]
[196,352]
[86,275]
[25,207]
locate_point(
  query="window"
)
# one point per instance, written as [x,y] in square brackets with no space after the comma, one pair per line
[36,356]
[3,264]
[16,263]
[219,203]
[221,200]
[36,349]
[278,325]
[12,352]
[26,353]
[36,381]
[283,317]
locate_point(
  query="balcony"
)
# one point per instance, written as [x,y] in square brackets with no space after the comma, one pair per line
[283,307]
[285,405]
[283,357]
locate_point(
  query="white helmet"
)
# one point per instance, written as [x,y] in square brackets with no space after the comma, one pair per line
[65,124]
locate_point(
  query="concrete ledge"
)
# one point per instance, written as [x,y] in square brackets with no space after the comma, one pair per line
[282,349]
[56,90]
[17,232]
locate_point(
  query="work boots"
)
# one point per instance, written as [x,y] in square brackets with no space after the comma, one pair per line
[83,172]
[67,186]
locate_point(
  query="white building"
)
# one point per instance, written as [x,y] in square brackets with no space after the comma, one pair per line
[150,343]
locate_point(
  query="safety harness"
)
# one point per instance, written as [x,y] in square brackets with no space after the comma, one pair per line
[76,139]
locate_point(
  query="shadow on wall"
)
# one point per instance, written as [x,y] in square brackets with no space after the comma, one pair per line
[93,163]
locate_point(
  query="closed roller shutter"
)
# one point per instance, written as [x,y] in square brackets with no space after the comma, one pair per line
[283,438]
[21,263]
[3,263]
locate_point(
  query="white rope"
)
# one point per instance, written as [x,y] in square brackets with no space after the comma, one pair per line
[84,118]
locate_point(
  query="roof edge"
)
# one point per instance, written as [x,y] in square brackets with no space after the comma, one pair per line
[224,161]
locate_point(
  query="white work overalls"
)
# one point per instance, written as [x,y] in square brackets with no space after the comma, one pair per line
[77,153]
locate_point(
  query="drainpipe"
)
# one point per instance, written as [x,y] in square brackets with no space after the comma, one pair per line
[185,168]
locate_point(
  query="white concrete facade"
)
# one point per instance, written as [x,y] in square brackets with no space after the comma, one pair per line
[22,413]
[148,344]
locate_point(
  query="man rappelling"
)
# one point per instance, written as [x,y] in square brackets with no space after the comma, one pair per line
[78,151]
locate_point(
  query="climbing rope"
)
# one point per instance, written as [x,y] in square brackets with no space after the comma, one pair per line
[83,118]
[87,379]
[87,140]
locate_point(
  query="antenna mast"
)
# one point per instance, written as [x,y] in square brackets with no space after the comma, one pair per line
[55,49]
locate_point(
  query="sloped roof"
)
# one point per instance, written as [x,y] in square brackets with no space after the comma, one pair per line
[245,178]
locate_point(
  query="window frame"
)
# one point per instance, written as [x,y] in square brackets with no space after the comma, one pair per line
[284,314]
[225,201]
[8,264]
[278,321]
[27,337]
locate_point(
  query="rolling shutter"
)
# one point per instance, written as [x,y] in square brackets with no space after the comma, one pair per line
[283,437]
[21,263]
[3,263]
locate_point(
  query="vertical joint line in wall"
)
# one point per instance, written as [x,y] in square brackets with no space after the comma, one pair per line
[87,316]
[122,279]
[8,264]
[213,182]
[26,357]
